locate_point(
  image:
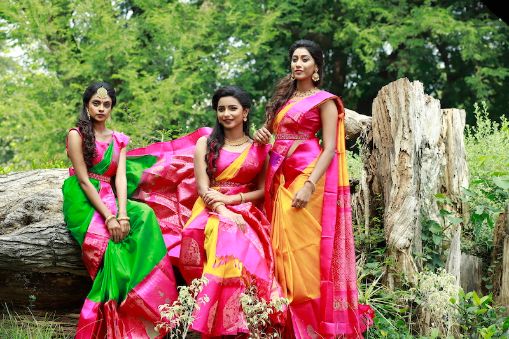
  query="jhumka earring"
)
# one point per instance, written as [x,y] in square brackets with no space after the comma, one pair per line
[88,114]
[292,77]
[315,76]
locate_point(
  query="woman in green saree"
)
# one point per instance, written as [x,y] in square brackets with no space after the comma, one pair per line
[122,245]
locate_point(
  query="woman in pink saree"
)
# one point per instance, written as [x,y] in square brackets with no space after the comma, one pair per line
[307,199]
[226,239]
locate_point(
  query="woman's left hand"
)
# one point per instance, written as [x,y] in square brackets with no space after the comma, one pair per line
[301,198]
[212,196]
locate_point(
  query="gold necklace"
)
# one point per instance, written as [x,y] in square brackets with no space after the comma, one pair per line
[236,142]
[300,94]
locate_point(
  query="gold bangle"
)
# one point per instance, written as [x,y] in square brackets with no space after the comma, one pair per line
[312,184]
[123,218]
[242,198]
[109,218]
[216,205]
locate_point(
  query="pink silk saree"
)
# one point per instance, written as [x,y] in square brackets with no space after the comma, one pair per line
[231,260]
[313,246]
[130,279]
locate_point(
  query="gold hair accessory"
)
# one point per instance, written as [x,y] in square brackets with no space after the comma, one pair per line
[102,93]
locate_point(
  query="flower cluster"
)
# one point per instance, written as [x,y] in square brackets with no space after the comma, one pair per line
[434,293]
[262,316]
[178,317]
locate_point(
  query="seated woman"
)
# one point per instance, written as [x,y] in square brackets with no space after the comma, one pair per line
[122,245]
[226,238]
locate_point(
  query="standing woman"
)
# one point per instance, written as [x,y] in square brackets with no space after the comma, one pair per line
[307,199]
[122,245]
[226,239]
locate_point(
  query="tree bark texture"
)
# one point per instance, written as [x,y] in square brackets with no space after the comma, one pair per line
[412,151]
[500,259]
[40,263]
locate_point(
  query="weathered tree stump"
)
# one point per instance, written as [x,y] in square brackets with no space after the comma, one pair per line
[500,259]
[413,151]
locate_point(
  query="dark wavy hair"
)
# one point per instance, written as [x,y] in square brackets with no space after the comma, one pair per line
[286,86]
[85,124]
[216,139]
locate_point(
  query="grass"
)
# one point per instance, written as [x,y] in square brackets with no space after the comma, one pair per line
[34,326]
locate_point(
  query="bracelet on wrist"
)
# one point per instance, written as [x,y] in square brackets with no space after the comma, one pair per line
[216,205]
[242,199]
[109,218]
[312,184]
[123,218]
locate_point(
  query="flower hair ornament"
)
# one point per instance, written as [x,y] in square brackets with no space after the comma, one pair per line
[102,93]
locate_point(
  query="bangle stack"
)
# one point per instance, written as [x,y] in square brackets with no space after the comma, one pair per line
[123,218]
[312,184]
[109,218]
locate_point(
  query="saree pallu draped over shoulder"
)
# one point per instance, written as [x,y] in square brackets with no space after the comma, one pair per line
[313,246]
[133,277]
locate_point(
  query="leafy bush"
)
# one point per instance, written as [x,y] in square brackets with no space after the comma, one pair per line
[488,163]
[478,318]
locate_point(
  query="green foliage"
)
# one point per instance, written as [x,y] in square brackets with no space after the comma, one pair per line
[15,326]
[479,318]
[166,58]
[488,194]
[392,316]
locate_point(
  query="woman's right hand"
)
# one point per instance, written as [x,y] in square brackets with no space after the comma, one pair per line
[236,218]
[262,136]
[115,230]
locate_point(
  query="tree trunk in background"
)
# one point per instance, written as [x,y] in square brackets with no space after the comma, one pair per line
[413,151]
[40,263]
[500,259]
[471,273]
[455,177]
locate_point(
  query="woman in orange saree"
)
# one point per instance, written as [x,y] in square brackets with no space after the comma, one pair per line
[226,238]
[307,200]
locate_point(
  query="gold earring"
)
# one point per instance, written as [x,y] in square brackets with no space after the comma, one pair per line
[88,114]
[315,76]
[292,77]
